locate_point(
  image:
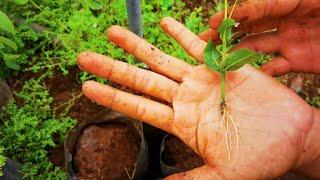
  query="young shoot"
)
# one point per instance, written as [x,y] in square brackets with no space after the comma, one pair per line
[219,58]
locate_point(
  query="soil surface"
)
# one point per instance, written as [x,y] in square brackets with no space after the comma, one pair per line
[67,93]
[106,151]
[180,155]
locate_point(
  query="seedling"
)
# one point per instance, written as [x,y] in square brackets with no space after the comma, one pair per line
[220,59]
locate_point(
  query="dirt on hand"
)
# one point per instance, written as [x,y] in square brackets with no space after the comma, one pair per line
[107,151]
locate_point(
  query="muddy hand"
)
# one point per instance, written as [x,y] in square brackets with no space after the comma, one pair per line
[261,134]
[296,35]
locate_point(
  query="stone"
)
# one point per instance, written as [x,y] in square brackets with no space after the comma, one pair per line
[5,94]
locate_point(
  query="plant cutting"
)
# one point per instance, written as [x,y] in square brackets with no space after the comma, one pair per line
[220,59]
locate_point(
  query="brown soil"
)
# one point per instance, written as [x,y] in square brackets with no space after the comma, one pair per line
[306,85]
[180,155]
[65,88]
[106,151]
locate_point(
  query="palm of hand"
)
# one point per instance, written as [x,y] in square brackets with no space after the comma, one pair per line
[268,130]
[271,126]
[295,40]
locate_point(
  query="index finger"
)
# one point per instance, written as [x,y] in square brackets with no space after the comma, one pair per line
[157,60]
[190,42]
[137,107]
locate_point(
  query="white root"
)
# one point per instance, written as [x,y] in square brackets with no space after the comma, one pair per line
[230,129]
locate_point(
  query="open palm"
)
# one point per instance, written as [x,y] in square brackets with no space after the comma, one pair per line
[269,125]
[295,26]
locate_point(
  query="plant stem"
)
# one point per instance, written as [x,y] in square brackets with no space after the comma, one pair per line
[224,43]
[225,9]
[222,86]
[233,7]
[224,49]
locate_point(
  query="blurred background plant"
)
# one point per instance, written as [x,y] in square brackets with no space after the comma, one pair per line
[8,48]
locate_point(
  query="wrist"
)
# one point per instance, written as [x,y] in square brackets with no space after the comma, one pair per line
[310,158]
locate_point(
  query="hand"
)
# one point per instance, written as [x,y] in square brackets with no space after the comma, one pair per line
[269,129]
[296,39]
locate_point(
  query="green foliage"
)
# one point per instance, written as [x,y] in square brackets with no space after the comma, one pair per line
[2,160]
[28,131]
[212,56]
[7,42]
[7,47]
[225,30]
[219,59]
[6,23]
[237,59]
[21,2]
[70,28]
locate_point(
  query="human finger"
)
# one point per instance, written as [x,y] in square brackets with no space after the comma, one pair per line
[157,60]
[137,107]
[138,79]
[191,43]
[277,67]
[208,35]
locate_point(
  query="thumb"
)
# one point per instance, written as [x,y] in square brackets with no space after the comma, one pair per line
[208,35]
[204,172]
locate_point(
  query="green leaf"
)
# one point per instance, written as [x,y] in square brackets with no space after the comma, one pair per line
[96,5]
[225,29]
[241,57]
[21,2]
[10,61]
[5,23]
[9,43]
[211,56]
[3,72]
